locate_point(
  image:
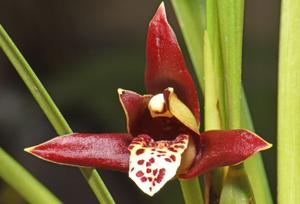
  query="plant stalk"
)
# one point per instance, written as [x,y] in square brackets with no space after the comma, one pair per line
[289,104]
[236,188]
[213,180]
[187,11]
[192,23]
[190,190]
[23,182]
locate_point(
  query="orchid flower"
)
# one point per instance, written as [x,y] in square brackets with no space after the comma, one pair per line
[163,139]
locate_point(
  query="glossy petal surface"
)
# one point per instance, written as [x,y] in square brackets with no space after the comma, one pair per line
[107,151]
[221,148]
[140,121]
[165,66]
[153,164]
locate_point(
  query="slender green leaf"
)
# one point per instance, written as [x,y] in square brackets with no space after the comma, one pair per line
[211,99]
[190,15]
[23,182]
[254,165]
[237,188]
[213,180]
[213,31]
[49,108]
[289,104]
[191,191]
[191,18]
[231,13]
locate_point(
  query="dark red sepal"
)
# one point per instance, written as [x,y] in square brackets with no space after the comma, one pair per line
[108,151]
[223,148]
[165,66]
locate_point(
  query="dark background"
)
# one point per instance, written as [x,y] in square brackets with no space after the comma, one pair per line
[83,51]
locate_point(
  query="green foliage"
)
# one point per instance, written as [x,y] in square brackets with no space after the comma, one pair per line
[189,14]
[289,104]
[23,182]
[49,108]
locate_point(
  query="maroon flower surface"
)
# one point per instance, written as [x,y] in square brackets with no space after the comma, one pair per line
[163,139]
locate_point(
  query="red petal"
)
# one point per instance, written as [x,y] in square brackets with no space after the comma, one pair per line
[107,151]
[139,120]
[165,66]
[222,148]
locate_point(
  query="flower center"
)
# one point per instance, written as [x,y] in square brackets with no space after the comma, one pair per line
[158,107]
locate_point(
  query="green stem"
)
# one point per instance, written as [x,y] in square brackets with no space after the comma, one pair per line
[49,108]
[190,15]
[231,17]
[191,21]
[23,182]
[213,32]
[254,166]
[213,180]
[187,12]
[191,191]
[289,104]
[237,188]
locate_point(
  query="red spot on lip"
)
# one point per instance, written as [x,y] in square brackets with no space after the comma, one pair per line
[152,160]
[140,162]
[139,174]
[148,171]
[154,172]
[150,179]
[168,160]
[173,157]
[172,149]
[148,164]
[139,151]
[144,179]
[179,146]
[160,175]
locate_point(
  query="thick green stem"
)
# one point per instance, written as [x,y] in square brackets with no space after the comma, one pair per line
[237,188]
[187,11]
[254,166]
[231,17]
[213,32]
[192,29]
[191,18]
[191,191]
[213,180]
[49,108]
[289,104]
[23,182]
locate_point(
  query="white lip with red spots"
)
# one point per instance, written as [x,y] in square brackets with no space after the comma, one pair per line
[152,164]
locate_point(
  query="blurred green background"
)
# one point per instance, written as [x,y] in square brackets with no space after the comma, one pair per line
[83,51]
